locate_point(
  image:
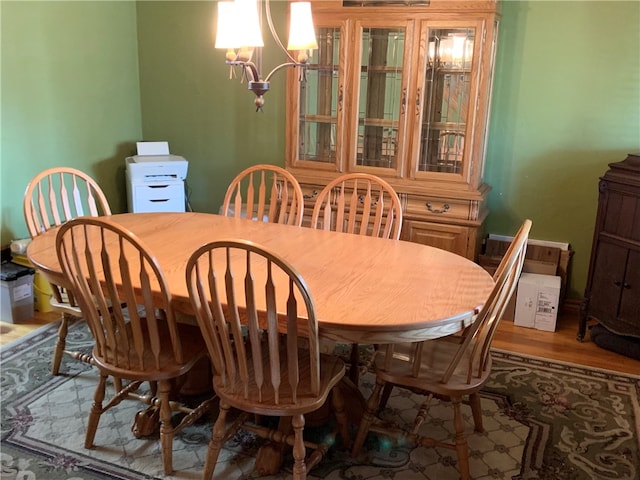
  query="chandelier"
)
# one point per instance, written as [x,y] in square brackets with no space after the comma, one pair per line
[239,32]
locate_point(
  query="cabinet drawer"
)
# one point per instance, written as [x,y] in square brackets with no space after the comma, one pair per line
[158,198]
[158,192]
[448,208]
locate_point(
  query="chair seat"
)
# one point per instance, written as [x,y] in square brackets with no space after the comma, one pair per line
[436,358]
[331,372]
[193,349]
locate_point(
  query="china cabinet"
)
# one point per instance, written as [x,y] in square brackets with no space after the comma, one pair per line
[400,90]
[612,296]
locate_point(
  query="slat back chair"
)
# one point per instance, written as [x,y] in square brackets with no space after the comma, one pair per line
[265,193]
[126,302]
[453,368]
[259,322]
[359,203]
[53,197]
[362,204]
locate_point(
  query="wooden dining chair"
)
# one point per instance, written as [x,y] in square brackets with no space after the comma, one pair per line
[265,193]
[126,302]
[362,204]
[358,203]
[451,369]
[53,197]
[259,321]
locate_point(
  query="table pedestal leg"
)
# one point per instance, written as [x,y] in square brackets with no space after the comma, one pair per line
[270,456]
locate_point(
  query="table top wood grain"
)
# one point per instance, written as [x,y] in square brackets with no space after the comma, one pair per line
[366,290]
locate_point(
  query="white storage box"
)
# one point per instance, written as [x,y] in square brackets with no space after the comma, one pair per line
[537,301]
[16,298]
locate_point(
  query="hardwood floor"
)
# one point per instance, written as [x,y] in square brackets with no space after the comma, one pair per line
[559,345]
[12,331]
[562,345]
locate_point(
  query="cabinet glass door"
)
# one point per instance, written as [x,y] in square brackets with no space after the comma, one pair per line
[320,100]
[381,96]
[446,86]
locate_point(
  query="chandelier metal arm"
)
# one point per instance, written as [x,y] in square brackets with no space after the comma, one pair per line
[288,64]
[267,5]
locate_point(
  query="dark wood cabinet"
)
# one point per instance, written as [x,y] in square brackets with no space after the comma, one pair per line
[612,295]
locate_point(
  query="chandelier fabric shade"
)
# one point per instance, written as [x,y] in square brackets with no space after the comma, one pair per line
[302,34]
[239,32]
[238,25]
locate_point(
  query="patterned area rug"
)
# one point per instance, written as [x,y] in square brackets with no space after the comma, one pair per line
[543,420]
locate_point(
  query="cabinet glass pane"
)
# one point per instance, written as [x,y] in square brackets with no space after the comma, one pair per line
[319,100]
[380,96]
[446,102]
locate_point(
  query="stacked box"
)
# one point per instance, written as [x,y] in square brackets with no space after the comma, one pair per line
[16,295]
[540,259]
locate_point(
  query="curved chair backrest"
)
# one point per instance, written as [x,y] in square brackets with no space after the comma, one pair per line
[359,203]
[265,193]
[113,276]
[57,195]
[257,356]
[506,281]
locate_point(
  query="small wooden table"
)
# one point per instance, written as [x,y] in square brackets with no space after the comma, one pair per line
[366,290]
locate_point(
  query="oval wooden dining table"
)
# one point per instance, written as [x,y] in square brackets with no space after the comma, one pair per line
[365,289]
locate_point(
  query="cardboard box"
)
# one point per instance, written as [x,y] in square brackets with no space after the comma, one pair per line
[542,257]
[16,292]
[537,301]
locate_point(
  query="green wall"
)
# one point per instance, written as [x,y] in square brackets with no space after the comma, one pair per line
[188,99]
[566,103]
[70,96]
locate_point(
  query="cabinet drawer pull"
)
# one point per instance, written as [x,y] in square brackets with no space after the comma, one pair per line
[445,208]
[311,196]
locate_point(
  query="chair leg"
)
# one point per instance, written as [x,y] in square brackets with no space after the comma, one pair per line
[58,351]
[423,411]
[462,448]
[217,439]
[166,429]
[476,410]
[299,451]
[96,411]
[367,418]
[386,394]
